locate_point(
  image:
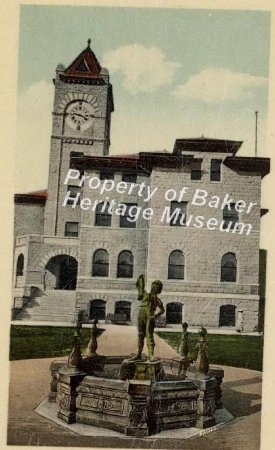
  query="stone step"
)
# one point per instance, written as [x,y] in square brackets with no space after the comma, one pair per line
[57,296]
[49,312]
[28,313]
[46,313]
[52,301]
[61,292]
[49,308]
[44,309]
[43,318]
[55,299]
[53,306]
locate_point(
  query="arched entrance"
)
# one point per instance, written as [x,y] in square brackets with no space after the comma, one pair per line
[227,316]
[174,312]
[61,273]
[97,310]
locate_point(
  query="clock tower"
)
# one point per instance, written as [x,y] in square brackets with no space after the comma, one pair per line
[83,104]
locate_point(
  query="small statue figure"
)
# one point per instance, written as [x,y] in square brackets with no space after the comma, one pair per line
[75,358]
[146,316]
[92,345]
[183,349]
[80,320]
[202,363]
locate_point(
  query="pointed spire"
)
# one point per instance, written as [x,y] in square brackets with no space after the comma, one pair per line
[85,65]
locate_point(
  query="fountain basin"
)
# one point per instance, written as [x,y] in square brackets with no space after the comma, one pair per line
[147,400]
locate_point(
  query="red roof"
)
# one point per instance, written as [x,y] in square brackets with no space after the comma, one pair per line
[85,65]
[43,193]
[32,197]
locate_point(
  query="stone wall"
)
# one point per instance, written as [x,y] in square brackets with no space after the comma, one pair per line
[201,292]
[112,238]
[28,218]
[203,248]
[38,250]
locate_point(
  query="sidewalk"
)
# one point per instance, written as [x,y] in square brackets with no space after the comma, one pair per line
[122,340]
[170,328]
[30,386]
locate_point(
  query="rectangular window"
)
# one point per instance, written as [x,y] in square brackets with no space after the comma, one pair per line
[74,154]
[124,222]
[106,175]
[71,229]
[215,172]
[180,221]
[196,171]
[230,215]
[102,217]
[129,177]
[74,190]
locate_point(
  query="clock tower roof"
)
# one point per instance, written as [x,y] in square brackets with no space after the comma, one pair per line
[85,65]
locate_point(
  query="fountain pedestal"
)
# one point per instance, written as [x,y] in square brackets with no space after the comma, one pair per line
[141,370]
[68,381]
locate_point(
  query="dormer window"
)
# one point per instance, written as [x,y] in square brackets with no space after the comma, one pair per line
[196,171]
[106,175]
[215,171]
[129,177]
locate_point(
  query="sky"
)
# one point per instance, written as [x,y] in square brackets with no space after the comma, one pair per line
[176,73]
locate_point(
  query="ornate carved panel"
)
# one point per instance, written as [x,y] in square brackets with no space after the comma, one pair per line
[103,403]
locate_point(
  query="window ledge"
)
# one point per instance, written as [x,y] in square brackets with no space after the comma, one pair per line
[176,280]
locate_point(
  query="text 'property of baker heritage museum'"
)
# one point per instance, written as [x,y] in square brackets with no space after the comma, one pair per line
[74,251]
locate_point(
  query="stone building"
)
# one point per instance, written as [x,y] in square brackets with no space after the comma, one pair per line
[201,238]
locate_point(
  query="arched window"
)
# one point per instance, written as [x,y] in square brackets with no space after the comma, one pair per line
[97,309]
[227,316]
[125,264]
[100,263]
[176,265]
[229,267]
[123,307]
[20,265]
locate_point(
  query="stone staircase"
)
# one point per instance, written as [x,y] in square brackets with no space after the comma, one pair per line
[51,306]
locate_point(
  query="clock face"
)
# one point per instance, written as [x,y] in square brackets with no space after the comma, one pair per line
[80,115]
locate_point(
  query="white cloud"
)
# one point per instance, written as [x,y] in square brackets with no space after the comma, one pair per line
[214,85]
[146,130]
[33,136]
[144,69]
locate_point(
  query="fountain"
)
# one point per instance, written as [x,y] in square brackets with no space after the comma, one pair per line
[134,395]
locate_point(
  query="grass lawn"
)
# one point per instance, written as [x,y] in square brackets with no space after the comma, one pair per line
[228,350]
[27,342]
